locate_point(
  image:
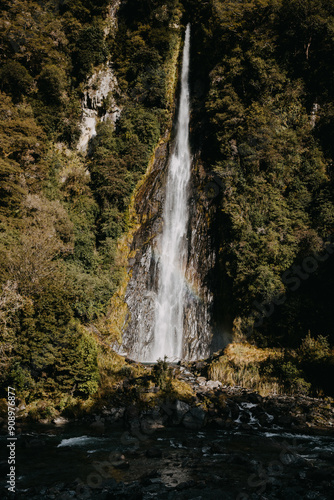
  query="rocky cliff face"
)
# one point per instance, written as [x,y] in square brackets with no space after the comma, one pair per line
[99,99]
[144,266]
[98,104]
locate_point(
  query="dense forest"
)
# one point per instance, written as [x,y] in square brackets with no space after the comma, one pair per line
[262,124]
[266,126]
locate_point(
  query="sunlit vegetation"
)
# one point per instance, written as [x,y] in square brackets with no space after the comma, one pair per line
[307,370]
[61,214]
[262,119]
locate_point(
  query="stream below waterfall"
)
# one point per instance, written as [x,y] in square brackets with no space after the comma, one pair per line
[74,461]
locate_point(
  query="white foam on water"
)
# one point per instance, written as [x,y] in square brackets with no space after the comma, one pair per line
[78,441]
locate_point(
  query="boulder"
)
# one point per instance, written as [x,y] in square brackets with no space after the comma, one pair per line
[255,398]
[98,426]
[201,380]
[284,420]
[60,421]
[213,384]
[180,409]
[154,452]
[194,419]
[121,464]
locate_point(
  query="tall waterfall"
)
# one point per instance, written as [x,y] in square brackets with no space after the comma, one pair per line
[168,301]
[169,308]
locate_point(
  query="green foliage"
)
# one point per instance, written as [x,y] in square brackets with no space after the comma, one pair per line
[253,123]
[59,223]
[52,84]
[314,350]
[89,51]
[84,10]
[119,158]
[15,80]
[162,374]
[257,69]
[306,370]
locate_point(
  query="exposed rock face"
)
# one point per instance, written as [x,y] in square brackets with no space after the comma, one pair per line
[98,104]
[142,288]
[111,20]
[144,266]
[201,261]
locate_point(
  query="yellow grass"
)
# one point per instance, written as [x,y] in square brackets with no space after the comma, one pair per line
[240,366]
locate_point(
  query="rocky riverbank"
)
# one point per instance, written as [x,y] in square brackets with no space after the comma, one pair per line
[215,405]
[216,440]
[195,402]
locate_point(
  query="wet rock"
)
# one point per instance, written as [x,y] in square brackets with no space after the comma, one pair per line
[34,443]
[180,409]
[121,464]
[255,398]
[218,421]
[264,419]
[239,459]
[217,448]
[98,426]
[299,420]
[285,420]
[194,419]
[135,427]
[153,489]
[131,412]
[146,479]
[185,485]
[113,414]
[327,455]
[150,425]
[234,410]
[154,452]
[290,493]
[320,474]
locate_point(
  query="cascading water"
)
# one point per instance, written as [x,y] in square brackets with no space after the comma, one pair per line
[168,300]
[169,313]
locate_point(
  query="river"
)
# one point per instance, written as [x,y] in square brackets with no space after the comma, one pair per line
[78,461]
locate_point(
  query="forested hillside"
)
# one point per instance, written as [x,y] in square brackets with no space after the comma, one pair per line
[262,125]
[263,115]
[61,212]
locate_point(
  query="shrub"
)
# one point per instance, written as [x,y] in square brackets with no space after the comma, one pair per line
[313,350]
[15,80]
[52,83]
[90,51]
[161,374]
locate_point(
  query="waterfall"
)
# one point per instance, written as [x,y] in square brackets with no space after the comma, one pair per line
[168,300]
[169,307]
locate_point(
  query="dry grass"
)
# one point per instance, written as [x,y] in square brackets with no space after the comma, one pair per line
[240,366]
[244,353]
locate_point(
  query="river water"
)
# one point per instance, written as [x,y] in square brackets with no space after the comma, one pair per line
[73,461]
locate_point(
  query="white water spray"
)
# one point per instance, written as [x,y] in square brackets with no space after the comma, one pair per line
[169,314]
